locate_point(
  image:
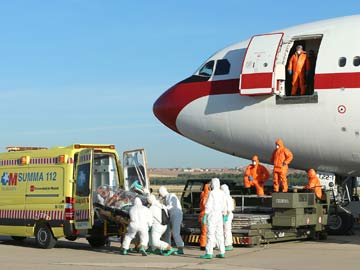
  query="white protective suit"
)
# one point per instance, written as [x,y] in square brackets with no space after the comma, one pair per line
[140,222]
[215,209]
[230,209]
[174,208]
[157,229]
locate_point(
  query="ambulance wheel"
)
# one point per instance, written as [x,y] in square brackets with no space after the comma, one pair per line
[96,242]
[44,237]
[18,238]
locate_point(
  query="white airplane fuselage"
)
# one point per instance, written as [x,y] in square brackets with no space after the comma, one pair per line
[241,108]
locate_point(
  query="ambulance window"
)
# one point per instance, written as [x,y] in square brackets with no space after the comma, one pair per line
[342,61]
[222,67]
[105,171]
[82,180]
[356,61]
[207,69]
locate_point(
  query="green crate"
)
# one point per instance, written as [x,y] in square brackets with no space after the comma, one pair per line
[293,200]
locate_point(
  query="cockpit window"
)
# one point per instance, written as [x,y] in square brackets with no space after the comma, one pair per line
[207,69]
[222,67]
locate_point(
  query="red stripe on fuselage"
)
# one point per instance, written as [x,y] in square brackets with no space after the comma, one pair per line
[169,105]
[337,80]
[256,80]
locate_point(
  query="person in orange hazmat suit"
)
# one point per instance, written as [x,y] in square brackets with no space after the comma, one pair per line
[298,67]
[203,198]
[314,183]
[256,175]
[281,158]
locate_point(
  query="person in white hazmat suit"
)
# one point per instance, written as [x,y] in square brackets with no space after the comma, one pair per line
[140,222]
[215,216]
[174,208]
[157,229]
[227,224]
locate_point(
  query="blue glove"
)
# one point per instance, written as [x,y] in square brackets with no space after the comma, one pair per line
[203,222]
[251,178]
[290,72]
[225,218]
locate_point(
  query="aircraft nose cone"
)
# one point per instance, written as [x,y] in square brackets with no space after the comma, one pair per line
[166,110]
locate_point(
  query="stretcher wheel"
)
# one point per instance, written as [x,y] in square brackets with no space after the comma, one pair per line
[96,241]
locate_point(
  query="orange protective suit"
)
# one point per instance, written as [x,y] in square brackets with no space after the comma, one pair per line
[298,65]
[203,198]
[281,158]
[314,183]
[256,175]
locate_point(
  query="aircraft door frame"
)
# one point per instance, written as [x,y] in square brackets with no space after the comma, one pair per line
[257,74]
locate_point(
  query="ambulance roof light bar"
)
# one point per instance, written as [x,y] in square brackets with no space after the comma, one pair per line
[94,146]
[23,148]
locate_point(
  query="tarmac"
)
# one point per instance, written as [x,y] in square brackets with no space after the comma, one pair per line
[334,253]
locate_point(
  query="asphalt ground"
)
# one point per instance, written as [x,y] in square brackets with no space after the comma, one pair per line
[334,253]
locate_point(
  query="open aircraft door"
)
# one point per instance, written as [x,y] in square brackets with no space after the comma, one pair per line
[135,169]
[257,75]
[84,217]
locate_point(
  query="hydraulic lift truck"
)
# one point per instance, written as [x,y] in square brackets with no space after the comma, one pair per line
[262,220]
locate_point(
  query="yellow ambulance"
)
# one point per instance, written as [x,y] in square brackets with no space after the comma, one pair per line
[49,193]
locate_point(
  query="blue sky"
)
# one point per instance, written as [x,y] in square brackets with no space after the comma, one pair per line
[89,71]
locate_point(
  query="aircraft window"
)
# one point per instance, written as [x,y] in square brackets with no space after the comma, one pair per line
[356,61]
[342,61]
[222,67]
[207,69]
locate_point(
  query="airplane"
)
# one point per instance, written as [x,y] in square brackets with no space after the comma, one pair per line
[239,102]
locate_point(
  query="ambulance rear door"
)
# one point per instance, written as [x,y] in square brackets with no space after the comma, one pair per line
[135,169]
[84,218]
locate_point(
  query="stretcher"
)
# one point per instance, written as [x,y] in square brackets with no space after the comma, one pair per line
[114,205]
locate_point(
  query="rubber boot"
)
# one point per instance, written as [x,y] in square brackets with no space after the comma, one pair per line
[124,252]
[221,256]
[206,256]
[150,251]
[180,251]
[143,251]
[168,252]
[158,252]
[229,248]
